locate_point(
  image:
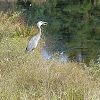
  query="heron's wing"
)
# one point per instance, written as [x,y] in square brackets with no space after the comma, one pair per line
[31,44]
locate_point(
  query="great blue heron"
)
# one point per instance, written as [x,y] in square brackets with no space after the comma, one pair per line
[32,44]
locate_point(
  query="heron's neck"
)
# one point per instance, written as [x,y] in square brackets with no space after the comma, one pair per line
[39,32]
[39,28]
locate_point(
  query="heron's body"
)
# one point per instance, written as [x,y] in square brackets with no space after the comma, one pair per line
[32,44]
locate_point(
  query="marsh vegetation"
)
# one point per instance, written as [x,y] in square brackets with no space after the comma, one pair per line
[30,76]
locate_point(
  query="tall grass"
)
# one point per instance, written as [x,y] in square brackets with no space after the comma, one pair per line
[30,77]
[13,25]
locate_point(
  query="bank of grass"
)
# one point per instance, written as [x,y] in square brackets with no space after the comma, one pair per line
[30,77]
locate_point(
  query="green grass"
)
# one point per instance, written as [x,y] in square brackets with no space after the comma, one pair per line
[30,77]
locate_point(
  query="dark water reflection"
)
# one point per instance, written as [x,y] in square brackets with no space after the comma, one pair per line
[6,5]
[73,30]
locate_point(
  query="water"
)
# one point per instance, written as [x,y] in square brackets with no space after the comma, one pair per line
[6,5]
[73,30]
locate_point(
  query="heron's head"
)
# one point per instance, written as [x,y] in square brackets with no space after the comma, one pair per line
[41,23]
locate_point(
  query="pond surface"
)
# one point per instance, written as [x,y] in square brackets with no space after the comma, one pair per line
[73,30]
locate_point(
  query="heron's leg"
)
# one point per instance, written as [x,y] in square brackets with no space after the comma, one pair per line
[33,49]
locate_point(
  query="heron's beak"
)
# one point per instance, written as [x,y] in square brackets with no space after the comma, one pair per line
[45,23]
